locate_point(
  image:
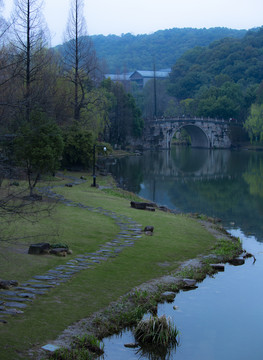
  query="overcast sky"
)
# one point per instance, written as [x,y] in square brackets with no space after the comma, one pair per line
[146,16]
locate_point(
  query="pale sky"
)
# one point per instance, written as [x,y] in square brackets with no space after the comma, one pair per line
[147,16]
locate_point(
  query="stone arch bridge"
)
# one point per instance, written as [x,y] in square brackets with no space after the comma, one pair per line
[204,132]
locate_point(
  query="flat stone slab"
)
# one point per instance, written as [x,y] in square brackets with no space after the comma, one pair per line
[11,312]
[32,290]
[44,277]
[15,305]
[62,267]
[17,299]
[191,283]
[8,293]
[50,347]
[100,258]
[42,286]
[26,295]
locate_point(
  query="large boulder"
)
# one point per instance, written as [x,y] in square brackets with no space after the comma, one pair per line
[7,284]
[59,251]
[39,249]
[143,205]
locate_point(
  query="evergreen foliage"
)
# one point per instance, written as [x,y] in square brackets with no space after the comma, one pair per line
[136,52]
[78,146]
[221,80]
[125,118]
[38,147]
[235,60]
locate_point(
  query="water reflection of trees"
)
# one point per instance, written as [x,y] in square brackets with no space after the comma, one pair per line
[222,184]
[254,176]
[128,172]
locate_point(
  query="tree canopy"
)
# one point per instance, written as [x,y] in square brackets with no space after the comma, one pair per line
[136,52]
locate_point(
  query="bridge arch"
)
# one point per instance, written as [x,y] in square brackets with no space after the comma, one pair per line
[205,133]
[199,138]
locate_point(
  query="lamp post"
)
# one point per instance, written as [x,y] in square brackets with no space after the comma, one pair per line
[94,160]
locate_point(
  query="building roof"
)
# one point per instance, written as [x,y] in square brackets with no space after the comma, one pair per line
[118,77]
[151,74]
[139,74]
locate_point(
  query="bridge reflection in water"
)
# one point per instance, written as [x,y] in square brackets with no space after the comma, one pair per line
[221,183]
[183,163]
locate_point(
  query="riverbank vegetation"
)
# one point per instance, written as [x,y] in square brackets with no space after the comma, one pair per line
[176,239]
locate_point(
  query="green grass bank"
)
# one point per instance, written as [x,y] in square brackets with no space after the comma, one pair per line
[176,239]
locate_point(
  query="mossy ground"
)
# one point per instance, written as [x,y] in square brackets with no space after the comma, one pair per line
[176,238]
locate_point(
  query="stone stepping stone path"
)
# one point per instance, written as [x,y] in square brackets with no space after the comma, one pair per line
[13,302]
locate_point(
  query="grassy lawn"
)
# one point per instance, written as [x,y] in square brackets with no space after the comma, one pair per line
[176,238]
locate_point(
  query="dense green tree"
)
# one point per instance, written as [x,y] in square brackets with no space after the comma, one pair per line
[221,102]
[124,116]
[205,74]
[254,123]
[130,52]
[78,147]
[38,147]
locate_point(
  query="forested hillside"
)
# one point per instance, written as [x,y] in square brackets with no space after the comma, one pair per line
[130,52]
[236,60]
[223,80]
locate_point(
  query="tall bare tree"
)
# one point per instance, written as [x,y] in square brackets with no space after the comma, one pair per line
[80,57]
[4,25]
[29,42]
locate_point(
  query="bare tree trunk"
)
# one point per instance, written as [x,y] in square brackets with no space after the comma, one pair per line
[28,62]
[80,55]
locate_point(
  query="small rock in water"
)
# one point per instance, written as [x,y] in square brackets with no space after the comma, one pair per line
[131,345]
[218,267]
[190,282]
[237,261]
[168,296]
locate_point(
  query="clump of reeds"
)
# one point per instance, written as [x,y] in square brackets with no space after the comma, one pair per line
[156,331]
[89,342]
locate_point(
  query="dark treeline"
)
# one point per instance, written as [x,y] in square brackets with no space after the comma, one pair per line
[54,108]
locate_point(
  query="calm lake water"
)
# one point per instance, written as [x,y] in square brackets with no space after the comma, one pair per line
[223,318]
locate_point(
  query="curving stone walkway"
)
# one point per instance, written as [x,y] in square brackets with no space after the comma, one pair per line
[12,302]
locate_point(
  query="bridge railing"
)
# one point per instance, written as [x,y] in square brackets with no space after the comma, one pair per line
[190,119]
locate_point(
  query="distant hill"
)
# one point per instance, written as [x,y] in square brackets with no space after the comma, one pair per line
[138,52]
[238,61]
